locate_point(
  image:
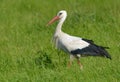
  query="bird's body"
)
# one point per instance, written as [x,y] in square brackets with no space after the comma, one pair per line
[75,46]
[69,43]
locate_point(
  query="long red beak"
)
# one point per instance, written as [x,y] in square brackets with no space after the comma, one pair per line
[53,20]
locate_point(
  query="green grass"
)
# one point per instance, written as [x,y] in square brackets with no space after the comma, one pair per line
[26,52]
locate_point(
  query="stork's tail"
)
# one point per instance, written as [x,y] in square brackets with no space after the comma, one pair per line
[104,52]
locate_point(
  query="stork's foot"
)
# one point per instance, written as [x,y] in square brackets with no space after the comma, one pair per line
[69,64]
[81,67]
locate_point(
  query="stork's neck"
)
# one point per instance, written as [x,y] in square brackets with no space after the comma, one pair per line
[59,26]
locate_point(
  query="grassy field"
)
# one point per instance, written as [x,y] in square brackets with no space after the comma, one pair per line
[26,51]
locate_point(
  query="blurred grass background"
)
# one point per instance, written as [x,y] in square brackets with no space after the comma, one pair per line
[26,52]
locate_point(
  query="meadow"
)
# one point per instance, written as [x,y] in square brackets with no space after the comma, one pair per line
[28,55]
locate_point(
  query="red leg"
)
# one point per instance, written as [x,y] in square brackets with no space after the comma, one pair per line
[69,64]
[81,66]
[71,59]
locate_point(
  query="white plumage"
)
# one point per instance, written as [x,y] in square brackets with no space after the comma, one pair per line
[69,42]
[75,46]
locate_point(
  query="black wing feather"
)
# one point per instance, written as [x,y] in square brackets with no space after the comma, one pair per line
[92,50]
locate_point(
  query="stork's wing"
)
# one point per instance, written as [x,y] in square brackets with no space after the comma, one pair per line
[73,43]
[76,45]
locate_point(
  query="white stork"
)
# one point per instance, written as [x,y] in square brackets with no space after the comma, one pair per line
[75,46]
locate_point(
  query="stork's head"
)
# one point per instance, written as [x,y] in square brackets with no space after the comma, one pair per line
[61,16]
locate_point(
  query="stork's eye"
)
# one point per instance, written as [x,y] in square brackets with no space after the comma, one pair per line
[60,14]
